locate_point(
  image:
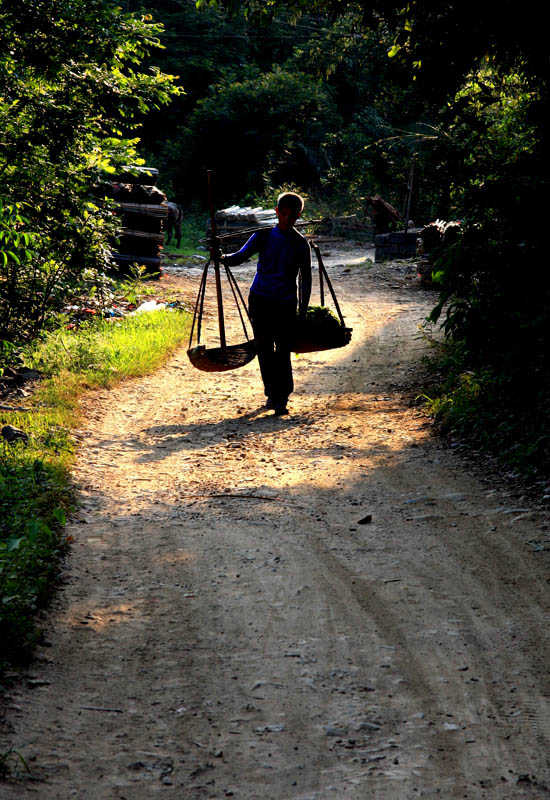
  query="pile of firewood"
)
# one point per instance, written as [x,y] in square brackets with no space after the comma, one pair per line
[142,209]
[432,240]
[235,217]
[239,218]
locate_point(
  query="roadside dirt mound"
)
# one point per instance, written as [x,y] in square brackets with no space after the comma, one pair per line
[324,605]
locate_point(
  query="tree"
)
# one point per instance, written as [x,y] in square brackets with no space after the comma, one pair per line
[71,92]
[346,148]
[207,48]
[267,129]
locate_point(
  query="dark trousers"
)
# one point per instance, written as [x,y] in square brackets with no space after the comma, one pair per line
[273,323]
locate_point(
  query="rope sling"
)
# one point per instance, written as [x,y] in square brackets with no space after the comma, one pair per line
[224,357]
[309,337]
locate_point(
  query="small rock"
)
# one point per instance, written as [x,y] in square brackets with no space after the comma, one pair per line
[365,520]
[332,731]
[12,434]
[55,766]
[368,726]
[276,727]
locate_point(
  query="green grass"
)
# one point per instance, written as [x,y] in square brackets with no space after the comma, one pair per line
[194,227]
[102,353]
[35,488]
[10,761]
[35,495]
[498,411]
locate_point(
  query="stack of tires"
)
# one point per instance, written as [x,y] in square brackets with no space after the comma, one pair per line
[143,209]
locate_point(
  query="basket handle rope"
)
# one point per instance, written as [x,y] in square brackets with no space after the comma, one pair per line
[321,280]
[323,275]
[215,257]
[238,297]
[199,306]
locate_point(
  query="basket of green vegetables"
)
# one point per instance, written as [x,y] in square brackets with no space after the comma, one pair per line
[320,329]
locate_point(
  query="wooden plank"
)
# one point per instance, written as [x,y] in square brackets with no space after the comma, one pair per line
[147,209]
[156,237]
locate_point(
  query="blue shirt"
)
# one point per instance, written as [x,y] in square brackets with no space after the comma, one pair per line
[282,255]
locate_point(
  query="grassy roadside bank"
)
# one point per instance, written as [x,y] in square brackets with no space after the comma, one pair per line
[503,411]
[35,487]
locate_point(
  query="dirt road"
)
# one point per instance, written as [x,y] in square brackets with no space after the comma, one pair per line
[332,604]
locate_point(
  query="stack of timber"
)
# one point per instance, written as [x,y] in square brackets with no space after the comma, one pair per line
[240,218]
[142,208]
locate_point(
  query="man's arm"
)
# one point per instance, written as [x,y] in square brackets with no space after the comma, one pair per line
[246,252]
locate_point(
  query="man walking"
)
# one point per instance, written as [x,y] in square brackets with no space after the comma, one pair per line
[283,255]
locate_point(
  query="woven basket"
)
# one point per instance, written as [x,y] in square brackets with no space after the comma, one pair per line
[306,343]
[214,359]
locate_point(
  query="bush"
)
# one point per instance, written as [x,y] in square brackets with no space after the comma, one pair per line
[33,496]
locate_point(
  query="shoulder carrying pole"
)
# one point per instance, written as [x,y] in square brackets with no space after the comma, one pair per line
[215,257]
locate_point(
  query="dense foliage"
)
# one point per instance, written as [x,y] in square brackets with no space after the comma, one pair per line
[33,492]
[495,288]
[71,91]
[313,103]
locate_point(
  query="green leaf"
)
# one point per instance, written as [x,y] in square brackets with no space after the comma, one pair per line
[14,544]
[8,599]
[60,516]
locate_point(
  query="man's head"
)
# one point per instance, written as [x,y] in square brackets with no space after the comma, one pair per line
[289,207]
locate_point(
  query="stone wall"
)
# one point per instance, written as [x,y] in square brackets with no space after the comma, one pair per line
[396,245]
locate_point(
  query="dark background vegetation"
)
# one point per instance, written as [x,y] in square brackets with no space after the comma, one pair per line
[333,98]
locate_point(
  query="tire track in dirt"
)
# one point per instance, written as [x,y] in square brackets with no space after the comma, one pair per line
[229,628]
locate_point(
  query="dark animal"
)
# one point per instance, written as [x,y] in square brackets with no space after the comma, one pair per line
[172,224]
[384,216]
